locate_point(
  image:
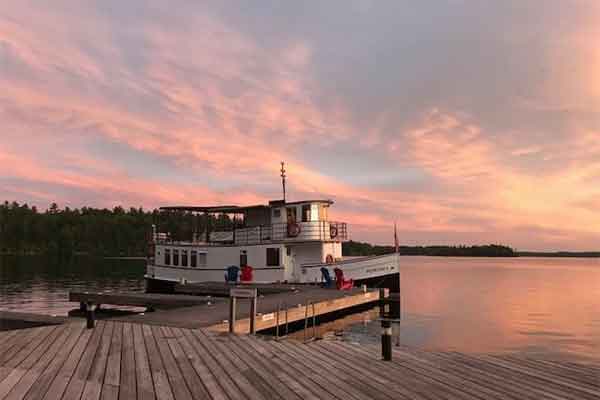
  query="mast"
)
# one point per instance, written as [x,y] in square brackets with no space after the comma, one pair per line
[283,179]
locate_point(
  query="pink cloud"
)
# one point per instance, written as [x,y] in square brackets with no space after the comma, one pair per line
[222,110]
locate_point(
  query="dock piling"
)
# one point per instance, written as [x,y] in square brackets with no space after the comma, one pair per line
[386,339]
[89,315]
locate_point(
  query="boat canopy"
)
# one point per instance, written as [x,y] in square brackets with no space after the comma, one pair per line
[240,209]
[213,209]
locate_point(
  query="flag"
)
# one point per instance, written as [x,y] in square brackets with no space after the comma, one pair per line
[395,237]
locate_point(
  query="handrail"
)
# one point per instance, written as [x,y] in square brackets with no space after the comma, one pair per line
[302,231]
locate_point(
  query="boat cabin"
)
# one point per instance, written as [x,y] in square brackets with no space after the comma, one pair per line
[277,239]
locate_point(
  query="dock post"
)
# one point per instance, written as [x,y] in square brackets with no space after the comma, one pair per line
[306,319]
[383,297]
[314,321]
[277,325]
[286,320]
[89,315]
[253,315]
[386,339]
[232,309]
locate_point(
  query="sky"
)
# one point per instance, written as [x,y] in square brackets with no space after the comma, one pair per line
[465,121]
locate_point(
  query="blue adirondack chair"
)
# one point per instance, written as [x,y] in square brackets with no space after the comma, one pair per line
[327,281]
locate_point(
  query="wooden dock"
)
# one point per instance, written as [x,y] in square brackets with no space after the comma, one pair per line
[151,300]
[16,320]
[119,360]
[302,301]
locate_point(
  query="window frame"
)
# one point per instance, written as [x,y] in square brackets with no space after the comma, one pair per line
[306,212]
[176,257]
[184,258]
[270,257]
[167,257]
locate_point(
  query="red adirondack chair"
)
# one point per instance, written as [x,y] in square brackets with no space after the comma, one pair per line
[340,282]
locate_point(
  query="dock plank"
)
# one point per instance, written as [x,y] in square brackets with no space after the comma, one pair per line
[225,381]
[262,368]
[449,382]
[145,387]
[9,340]
[46,378]
[365,387]
[35,365]
[215,350]
[298,383]
[204,373]
[66,371]
[239,371]
[162,386]
[76,383]
[93,384]
[24,346]
[128,383]
[113,363]
[163,362]
[176,380]
[194,383]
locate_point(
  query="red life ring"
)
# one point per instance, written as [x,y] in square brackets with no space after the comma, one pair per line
[333,231]
[329,259]
[293,229]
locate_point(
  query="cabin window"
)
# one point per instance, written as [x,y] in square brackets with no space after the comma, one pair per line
[314,212]
[175,257]
[193,259]
[243,258]
[202,259]
[323,213]
[277,213]
[167,256]
[273,257]
[306,213]
[184,258]
[291,215]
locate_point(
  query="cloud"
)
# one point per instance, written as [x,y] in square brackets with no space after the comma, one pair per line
[462,132]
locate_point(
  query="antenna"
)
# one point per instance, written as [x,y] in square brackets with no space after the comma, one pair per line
[283,179]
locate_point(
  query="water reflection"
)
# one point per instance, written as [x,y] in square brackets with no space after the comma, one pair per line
[547,307]
[41,285]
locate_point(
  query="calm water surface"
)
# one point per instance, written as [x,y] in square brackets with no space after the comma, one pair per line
[542,306]
[39,285]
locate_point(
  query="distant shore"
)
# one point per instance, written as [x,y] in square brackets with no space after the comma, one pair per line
[557,254]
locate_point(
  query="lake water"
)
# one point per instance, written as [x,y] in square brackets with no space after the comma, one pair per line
[547,307]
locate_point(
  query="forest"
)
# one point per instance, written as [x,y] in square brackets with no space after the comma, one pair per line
[352,248]
[101,232]
[125,232]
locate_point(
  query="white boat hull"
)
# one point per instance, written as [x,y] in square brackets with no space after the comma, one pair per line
[377,271]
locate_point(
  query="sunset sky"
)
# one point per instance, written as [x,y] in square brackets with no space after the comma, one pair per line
[465,121]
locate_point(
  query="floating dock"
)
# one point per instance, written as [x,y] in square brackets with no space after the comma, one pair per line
[121,360]
[10,320]
[279,304]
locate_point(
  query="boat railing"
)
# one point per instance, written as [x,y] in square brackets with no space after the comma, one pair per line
[298,231]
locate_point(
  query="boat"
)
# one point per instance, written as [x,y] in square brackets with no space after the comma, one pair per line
[282,242]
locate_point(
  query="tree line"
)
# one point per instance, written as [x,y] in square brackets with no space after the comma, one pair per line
[102,232]
[126,232]
[352,248]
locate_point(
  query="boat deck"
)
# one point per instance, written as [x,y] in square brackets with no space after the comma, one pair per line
[119,360]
